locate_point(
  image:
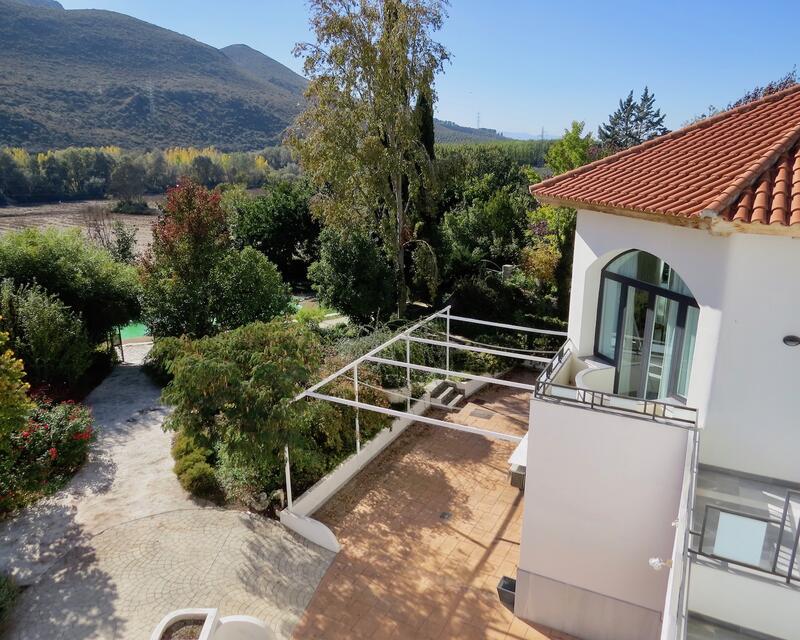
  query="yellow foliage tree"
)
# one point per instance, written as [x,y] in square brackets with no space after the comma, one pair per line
[14,402]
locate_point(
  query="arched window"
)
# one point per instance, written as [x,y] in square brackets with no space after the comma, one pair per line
[646,326]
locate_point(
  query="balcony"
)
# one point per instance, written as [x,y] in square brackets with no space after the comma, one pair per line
[588,383]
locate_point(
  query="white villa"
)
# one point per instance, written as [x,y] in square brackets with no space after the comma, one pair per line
[663,454]
[661,461]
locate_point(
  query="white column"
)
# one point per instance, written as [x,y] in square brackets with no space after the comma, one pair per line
[288,478]
[408,373]
[447,348]
[358,426]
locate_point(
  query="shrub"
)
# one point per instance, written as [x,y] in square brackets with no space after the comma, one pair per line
[159,360]
[49,338]
[14,403]
[194,281]
[246,287]
[354,276]
[45,452]
[101,291]
[199,480]
[280,225]
[8,596]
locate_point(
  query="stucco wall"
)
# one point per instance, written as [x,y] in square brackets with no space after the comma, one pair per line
[744,379]
[601,494]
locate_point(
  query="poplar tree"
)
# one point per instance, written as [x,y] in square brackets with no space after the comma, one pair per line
[358,138]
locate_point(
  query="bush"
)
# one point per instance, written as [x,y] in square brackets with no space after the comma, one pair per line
[194,281]
[159,360]
[199,479]
[8,596]
[280,225]
[101,291]
[45,452]
[14,403]
[192,467]
[246,287]
[354,276]
[49,338]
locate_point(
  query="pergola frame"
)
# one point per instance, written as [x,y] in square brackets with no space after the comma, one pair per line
[407,337]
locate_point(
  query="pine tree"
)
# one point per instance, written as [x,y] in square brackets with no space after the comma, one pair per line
[632,123]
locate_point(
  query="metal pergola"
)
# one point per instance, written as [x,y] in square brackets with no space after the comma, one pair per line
[407,336]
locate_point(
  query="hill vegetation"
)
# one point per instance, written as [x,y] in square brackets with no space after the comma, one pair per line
[89,78]
[96,78]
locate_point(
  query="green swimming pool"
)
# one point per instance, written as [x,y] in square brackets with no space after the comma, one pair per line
[134,330]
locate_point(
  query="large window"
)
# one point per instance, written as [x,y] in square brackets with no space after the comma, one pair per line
[647,324]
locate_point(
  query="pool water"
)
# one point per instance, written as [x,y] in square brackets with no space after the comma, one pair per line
[134,330]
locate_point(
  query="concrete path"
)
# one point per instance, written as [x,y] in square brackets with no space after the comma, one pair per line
[124,544]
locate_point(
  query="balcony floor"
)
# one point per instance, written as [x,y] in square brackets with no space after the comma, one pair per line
[706,630]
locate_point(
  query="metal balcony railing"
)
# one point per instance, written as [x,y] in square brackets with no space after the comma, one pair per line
[655,410]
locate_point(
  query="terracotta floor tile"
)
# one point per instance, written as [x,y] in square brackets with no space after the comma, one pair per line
[427,529]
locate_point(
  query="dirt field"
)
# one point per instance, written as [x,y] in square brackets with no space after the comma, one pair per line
[76,214]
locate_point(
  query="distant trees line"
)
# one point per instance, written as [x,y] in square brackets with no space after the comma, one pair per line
[98,172]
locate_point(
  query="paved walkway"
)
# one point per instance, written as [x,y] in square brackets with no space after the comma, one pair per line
[124,544]
[427,529]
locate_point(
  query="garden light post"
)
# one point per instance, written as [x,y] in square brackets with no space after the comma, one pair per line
[408,373]
[447,349]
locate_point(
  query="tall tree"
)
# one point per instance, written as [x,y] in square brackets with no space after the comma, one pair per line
[358,137]
[571,151]
[633,122]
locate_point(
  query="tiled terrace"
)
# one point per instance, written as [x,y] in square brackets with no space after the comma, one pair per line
[427,530]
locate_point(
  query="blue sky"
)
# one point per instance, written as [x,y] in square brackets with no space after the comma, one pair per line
[527,65]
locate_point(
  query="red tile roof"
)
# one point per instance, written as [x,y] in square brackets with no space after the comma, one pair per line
[742,165]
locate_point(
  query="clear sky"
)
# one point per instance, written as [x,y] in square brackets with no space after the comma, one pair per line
[525,65]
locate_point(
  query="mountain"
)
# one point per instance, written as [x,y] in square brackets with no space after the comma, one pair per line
[262,67]
[447,131]
[49,4]
[96,78]
[87,77]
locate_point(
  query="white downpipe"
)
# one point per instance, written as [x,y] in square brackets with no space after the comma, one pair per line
[288,479]
[415,418]
[358,426]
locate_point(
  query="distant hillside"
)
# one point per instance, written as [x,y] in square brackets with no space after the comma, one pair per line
[49,4]
[447,131]
[94,78]
[100,77]
[262,67]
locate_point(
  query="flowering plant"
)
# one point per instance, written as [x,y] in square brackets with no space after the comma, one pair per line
[45,452]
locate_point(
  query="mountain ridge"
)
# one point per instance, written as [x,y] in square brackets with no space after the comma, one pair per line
[82,77]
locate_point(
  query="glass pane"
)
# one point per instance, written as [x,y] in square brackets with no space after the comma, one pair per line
[662,345]
[645,267]
[687,353]
[630,362]
[609,313]
[740,538]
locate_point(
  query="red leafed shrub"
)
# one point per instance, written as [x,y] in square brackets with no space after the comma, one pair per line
[45,452]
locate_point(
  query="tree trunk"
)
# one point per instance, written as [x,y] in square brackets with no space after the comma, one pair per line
[400,262]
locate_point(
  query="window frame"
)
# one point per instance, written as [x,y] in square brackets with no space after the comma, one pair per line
[684,302]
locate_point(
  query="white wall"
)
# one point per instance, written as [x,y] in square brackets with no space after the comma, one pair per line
[753,419]
[601,494]
[757,603]
[744,379]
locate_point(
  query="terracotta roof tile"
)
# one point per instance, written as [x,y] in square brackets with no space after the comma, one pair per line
[742,165]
